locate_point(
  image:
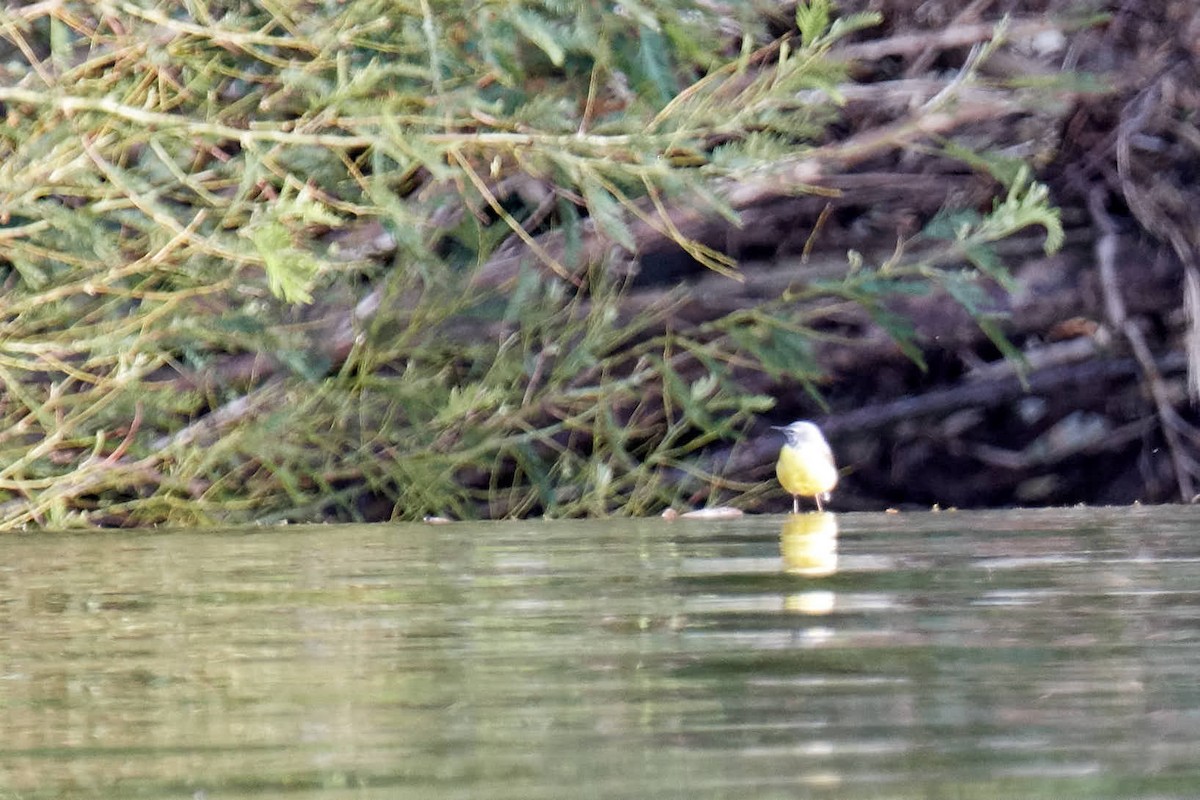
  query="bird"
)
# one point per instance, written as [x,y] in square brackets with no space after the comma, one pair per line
[805,465]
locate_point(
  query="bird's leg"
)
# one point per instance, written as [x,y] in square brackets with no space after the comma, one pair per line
[820,508]
[795,504]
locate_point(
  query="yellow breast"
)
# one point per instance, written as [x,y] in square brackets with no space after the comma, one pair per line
[806,470]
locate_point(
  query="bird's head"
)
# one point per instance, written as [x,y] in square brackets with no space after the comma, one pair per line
[800,432]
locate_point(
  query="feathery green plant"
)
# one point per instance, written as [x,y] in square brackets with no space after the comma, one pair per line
[250,253]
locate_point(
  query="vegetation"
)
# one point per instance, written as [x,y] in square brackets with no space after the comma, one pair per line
[269,261]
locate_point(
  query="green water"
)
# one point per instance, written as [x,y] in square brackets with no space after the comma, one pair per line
[959,655]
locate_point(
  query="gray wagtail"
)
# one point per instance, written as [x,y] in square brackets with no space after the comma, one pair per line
[805,464]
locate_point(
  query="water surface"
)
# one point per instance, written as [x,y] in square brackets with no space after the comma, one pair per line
[1033,654]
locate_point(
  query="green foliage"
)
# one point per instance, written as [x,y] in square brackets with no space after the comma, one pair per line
[819,27]
[250,254]
[1025,205]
